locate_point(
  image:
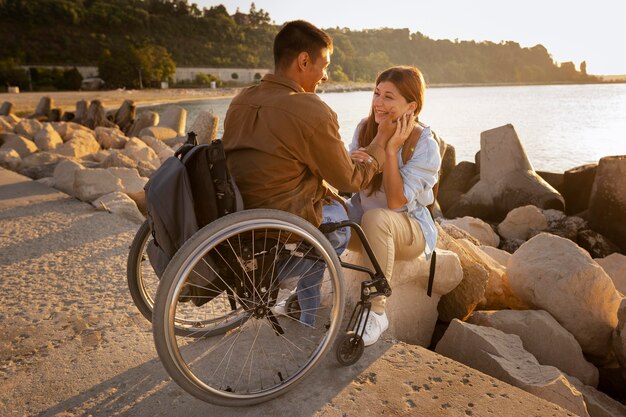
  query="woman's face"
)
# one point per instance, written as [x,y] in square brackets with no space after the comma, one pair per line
[388,102]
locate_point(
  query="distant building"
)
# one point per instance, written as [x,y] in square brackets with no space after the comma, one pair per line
[240,75]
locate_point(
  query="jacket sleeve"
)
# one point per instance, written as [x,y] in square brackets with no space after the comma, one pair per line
[329,159]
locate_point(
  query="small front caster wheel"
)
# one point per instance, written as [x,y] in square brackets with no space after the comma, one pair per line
[349,349]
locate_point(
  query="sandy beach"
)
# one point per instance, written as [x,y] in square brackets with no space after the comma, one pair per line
[26,102]
[75,345]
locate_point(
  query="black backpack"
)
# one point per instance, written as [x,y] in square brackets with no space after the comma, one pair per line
[189,191]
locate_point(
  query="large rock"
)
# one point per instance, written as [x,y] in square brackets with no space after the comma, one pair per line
[205,126]
[65,129]
[615,267]
[64,175]
[498,255]
[448,162]
[28,128]
[159,132]
[554,179]
[118,159]
[553,274]
[110,137]
[477,228]
[456,183]
[138,151]
[503,356]
[6,108]
[47,138]
[79,143]
[535,327]
[607,203]
[507,180]
[463,299]
[577,183]
[120,204]
[90,184]
[595,243]
[161,149]
[143,120]
[42,112]
[82,107]
[40,165]
[619,337]
[131,181]
[96,116]
[458,233]
[412,314]
[598,404]
[174,117]
[10,159]
[522,223]
[565,226]
[125,115]
[20,144]
[5,126]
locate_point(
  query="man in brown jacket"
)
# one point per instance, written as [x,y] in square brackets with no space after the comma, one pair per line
[283,144]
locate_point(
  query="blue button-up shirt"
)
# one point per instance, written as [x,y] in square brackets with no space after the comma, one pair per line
[419,176]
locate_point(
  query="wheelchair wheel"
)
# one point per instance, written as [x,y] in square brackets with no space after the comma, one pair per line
[350,348]
[143,283]
[262,356]
[142,280]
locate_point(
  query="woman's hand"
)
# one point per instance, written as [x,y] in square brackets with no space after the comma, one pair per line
[404,126]
[359,155]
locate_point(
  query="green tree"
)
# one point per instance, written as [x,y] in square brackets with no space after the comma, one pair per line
[156,64]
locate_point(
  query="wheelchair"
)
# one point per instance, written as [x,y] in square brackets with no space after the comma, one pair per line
[214,312]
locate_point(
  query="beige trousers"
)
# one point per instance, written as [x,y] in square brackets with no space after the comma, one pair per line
[392,235]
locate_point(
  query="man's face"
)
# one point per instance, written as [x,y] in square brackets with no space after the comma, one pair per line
[315,73]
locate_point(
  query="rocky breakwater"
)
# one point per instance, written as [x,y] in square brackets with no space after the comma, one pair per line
[94,159]
[523,291]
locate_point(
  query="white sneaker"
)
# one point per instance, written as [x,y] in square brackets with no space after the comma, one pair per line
[375,326]
[280,308]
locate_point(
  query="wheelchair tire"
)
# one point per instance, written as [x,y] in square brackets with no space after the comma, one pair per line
[263,355]
[143,283]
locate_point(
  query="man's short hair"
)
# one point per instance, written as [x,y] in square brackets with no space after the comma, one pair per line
[296,37]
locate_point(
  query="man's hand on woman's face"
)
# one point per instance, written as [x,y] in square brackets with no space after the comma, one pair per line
[360,155]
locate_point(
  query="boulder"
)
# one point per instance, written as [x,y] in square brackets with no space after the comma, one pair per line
[565,226]
[595,243]
[100,156]
[448,162]
[140,199]
[22,145]
[11,119]
[619,337]
[125,115]
[615,267]
[412,314]
[577,183]
[161,149]
[47,138]
[480,230]
[6,108]
[511,245]
[554,179]
[175,118]
[535,327]
[28,128]
[65,129]
[458,233]
[146,169]
[79,143]
[47,181]
[120,204]
[138,151]
[118,159]
[457,182]
[498,255]
[90,184]
[131,181]
[96,116]
[607,203]
[463,299]
[10,159]
[64,175]
[598,403]
[42,112]
[81,111]
[5,126]
[110,137]
[205,126]
[553,274]
[40,165]
[159,132]
[503,356]
[522,223]
[507,180]
[143,120]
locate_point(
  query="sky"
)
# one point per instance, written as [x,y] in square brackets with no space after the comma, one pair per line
[571,30]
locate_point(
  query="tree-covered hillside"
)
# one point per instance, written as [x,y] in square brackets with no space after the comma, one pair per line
[86,32]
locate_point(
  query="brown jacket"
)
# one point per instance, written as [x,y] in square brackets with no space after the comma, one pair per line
[283,142]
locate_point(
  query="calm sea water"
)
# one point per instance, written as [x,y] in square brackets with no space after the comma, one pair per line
[560,126]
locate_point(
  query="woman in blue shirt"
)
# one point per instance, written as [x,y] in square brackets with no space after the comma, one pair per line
[392,210]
